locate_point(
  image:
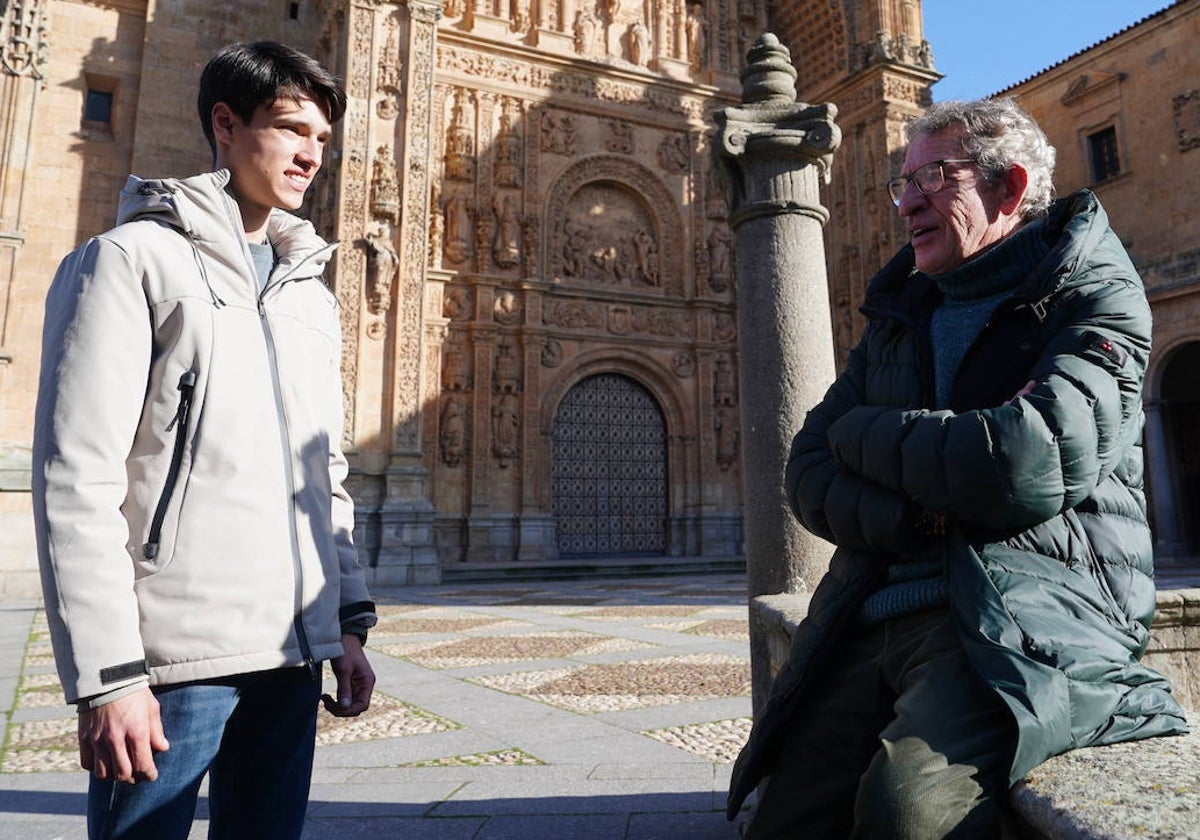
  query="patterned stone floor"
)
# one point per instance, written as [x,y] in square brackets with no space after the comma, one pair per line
[581,680]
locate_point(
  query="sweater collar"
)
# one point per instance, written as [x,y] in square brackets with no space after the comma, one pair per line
[999,268]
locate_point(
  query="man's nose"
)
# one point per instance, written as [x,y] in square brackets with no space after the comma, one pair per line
[911,199]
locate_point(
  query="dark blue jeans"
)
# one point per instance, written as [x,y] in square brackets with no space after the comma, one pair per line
[254,734]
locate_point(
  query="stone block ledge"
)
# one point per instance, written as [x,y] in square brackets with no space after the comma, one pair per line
[1141,790]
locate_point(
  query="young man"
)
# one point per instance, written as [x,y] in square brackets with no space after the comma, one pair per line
[194,535]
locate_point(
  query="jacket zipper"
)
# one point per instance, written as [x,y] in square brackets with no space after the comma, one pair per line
[290,478]
[187,384]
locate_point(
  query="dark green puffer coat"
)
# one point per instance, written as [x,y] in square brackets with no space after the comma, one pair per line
[1048,556]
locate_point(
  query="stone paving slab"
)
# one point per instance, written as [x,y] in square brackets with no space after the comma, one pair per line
[565,709]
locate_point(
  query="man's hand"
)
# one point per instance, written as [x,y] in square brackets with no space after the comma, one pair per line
[118,740]
[355,680]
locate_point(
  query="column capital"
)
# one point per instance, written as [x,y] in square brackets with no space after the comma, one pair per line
[773,147]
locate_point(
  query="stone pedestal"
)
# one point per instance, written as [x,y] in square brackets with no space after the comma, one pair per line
[775,151]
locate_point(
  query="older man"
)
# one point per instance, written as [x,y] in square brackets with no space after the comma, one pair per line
[978,467]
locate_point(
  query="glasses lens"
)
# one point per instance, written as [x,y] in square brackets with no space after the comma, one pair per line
[930,178]
[895,188]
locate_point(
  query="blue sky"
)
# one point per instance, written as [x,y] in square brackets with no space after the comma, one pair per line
[982,48]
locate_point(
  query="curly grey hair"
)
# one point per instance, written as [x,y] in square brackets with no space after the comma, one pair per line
[996,133]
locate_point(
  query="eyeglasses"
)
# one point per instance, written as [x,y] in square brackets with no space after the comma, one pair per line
[929,179]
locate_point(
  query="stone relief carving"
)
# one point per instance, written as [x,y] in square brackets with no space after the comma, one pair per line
[437,225]
[720,258]
[606,231]
[724,327]
[674,156]
[24,38]
[453,423]
[552,353]
[573,314]
[458,214]
[382,263]
[389,82]
[620,319]
[683,365]
[638,38]
[506,250]
[454,366]
[519,19]
[1187,119]
[460,142]
[506,422]
[724,390]
[696,34]
[587,32]
[529,239]
[406,352]
[727,424]
[506,374]
[508,144]
[385,188]
[619,137]
[558,133]
[456,305]
[506,309]
[555,80]
[716,192]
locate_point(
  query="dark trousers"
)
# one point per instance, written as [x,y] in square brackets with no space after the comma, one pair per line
[900,740]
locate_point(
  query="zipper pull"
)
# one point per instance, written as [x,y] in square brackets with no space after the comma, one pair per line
[187,383]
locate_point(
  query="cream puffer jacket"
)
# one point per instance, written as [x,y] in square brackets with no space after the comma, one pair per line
[188,472]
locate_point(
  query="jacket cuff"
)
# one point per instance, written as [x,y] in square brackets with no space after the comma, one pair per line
[86,704]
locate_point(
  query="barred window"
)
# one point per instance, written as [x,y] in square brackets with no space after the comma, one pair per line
[1102,151]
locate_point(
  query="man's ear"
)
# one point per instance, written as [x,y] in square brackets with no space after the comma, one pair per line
[1016,181]
[223,122]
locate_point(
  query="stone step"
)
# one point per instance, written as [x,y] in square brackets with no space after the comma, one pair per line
[598,567]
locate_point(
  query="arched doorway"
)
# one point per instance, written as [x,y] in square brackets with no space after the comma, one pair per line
[1180,402]
[609,474]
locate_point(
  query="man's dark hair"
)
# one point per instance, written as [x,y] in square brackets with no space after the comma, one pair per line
[245,76]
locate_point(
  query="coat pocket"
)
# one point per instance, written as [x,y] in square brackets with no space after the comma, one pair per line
[187,385]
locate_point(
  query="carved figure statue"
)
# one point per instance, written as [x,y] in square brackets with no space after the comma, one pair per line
[507,374]
[506,422]
[453,437]
[646,253]
[458,227]
[727,427]
[382,262]
[697,34]
[507,249]
[639,43]
[720,258]
[586,30]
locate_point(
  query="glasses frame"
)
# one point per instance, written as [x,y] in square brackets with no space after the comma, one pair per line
[897,186]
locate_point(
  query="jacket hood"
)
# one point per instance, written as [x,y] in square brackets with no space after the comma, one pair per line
[201,208]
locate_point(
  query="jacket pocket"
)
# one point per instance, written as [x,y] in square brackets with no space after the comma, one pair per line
[187,384]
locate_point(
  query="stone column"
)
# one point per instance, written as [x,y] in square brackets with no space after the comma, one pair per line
[775,151]
[1167,544]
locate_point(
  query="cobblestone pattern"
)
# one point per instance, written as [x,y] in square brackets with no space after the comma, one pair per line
[589,648]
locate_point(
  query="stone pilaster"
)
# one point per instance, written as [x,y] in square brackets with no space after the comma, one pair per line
[775,151]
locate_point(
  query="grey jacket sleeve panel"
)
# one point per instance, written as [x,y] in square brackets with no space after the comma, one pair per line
[1018,464]
[836,503]
[96,356]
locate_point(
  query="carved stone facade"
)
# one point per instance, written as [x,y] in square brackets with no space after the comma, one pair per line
[529,221]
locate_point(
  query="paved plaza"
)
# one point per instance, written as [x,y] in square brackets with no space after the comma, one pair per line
[605,709]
